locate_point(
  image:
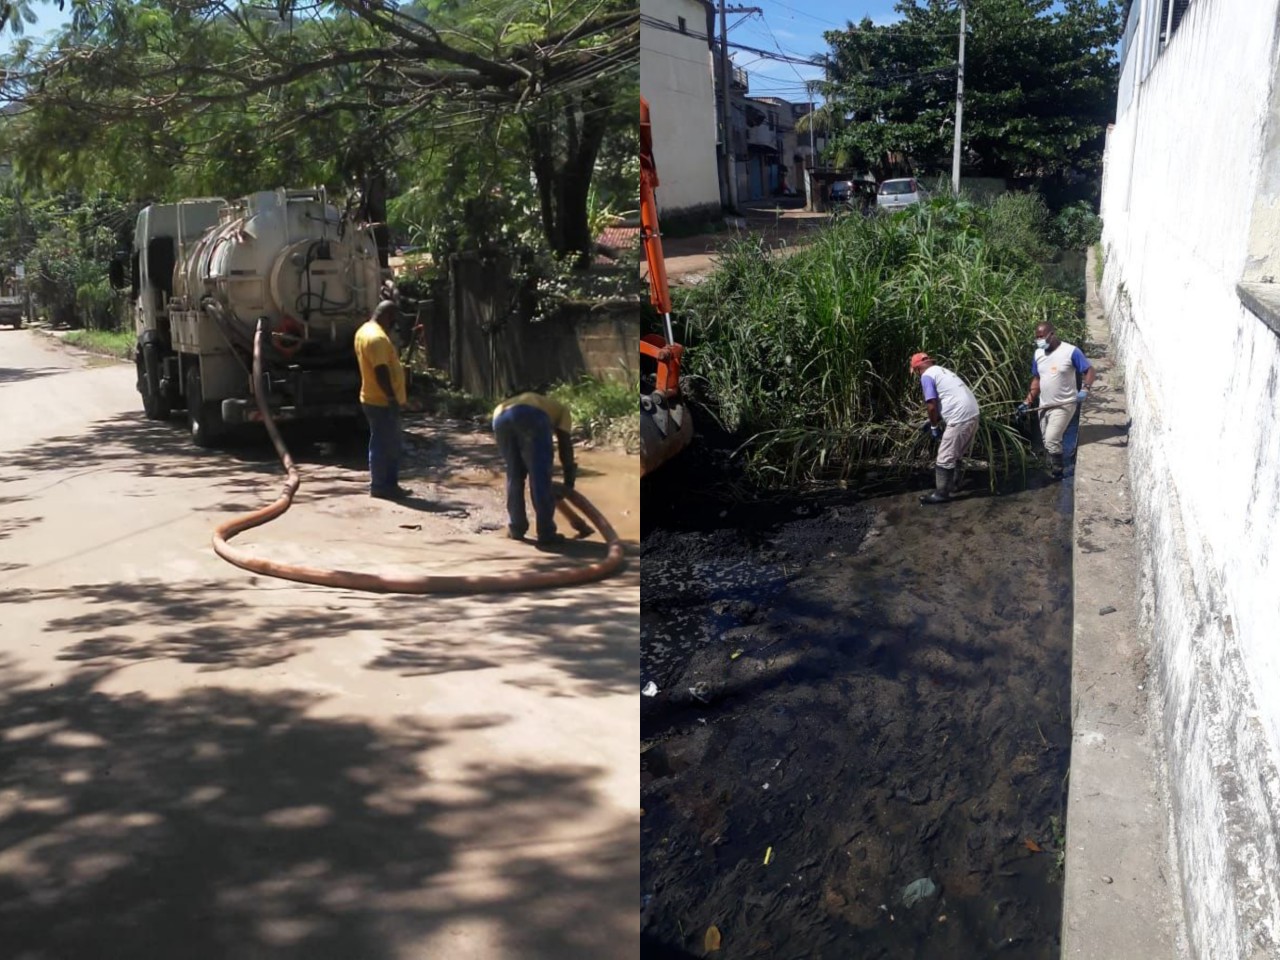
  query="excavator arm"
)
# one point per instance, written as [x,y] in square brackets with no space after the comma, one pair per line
[665,352]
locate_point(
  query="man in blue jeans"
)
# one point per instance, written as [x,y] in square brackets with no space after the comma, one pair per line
[523,427]
[382,394]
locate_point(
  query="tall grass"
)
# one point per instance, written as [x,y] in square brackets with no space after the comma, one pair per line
[109,343]
[806,358]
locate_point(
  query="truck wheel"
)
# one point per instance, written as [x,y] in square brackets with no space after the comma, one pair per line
[154,403]
[205,418]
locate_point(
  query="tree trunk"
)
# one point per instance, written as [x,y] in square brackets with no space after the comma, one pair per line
[563,145]
[375,211]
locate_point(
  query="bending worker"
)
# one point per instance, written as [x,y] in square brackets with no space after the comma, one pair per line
[523,427]
[382,394]
[953,420]
[1061,378]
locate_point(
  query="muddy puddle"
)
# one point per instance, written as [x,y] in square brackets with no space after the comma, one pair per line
[860,735]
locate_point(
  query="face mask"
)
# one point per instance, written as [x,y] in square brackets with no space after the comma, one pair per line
[1042,343]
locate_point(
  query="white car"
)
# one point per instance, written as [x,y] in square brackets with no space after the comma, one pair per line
[896,194]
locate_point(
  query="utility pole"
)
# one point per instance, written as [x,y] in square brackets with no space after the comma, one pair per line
[726,101]
[955,152]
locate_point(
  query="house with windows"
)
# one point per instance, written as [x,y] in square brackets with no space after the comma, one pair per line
[676,79]
[1191,283]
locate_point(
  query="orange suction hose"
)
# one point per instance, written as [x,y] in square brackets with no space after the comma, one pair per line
[427,583]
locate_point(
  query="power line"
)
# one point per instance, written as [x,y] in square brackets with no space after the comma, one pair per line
[766,54]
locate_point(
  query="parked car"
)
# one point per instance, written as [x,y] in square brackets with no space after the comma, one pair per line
[841,192]
[896,194]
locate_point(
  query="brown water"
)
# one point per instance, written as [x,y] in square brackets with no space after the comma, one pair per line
[866,695]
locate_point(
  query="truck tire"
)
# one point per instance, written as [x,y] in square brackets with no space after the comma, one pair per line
[154,402]
[204,418]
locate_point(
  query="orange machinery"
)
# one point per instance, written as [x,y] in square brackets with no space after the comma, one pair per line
[665,425]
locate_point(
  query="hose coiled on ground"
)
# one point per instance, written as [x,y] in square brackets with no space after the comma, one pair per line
[374,583]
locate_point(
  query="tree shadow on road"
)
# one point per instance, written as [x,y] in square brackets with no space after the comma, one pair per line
[12,375]
[224,823]
[130,443]
[585,637]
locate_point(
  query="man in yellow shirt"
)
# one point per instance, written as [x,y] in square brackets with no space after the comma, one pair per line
[523,426]
[382,394]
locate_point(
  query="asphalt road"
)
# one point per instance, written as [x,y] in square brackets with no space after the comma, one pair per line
[199,763]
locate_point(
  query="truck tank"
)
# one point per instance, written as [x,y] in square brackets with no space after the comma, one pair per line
[287,256]
[207,272]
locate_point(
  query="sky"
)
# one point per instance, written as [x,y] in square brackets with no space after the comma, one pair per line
[795,27]
[48,17]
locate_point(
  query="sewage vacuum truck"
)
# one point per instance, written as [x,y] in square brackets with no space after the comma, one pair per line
[205,272]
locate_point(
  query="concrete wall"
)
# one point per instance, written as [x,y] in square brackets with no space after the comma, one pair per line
[676,79]
[1184,167]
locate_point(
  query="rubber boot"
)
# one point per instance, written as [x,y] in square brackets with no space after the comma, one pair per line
[959,478]
[1055,466]
[943,478]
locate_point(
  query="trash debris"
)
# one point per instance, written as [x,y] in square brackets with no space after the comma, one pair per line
[1105,610]
[410,526]
[711,942]
[1107,880]
[1032,845]
[735,655]
[918,890]
[700,691]
[650,689]
[768,855]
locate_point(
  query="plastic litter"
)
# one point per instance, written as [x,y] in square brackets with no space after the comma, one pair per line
[650,689]
[918,890]
[711,942]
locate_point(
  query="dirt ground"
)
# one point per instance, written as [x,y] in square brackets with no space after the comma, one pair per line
[197,762]
[852,697]
[783,224]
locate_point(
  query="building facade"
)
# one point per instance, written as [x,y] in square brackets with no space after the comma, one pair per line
[1191,207]
[676,79]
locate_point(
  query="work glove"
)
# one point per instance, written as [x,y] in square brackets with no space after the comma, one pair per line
[1082,395]
[1022,410]
[570,474]
[936,431]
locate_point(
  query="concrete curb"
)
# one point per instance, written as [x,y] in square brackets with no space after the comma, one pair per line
[1120,897]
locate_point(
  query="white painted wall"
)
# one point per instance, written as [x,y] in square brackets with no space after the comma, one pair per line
[676,79]
[1182,175]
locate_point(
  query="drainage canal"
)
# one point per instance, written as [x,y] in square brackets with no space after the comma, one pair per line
[855,725]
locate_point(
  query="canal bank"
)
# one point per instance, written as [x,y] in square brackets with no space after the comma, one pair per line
[1121,896]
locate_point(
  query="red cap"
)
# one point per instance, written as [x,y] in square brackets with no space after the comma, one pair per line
[918,360]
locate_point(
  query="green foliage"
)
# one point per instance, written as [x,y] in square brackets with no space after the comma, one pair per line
[807,356]
[603,409]
[97,306]
[1018,229]
[109,343]
[1076,227]
[463,104]
[1040,86]
[65,241]
[594,401]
